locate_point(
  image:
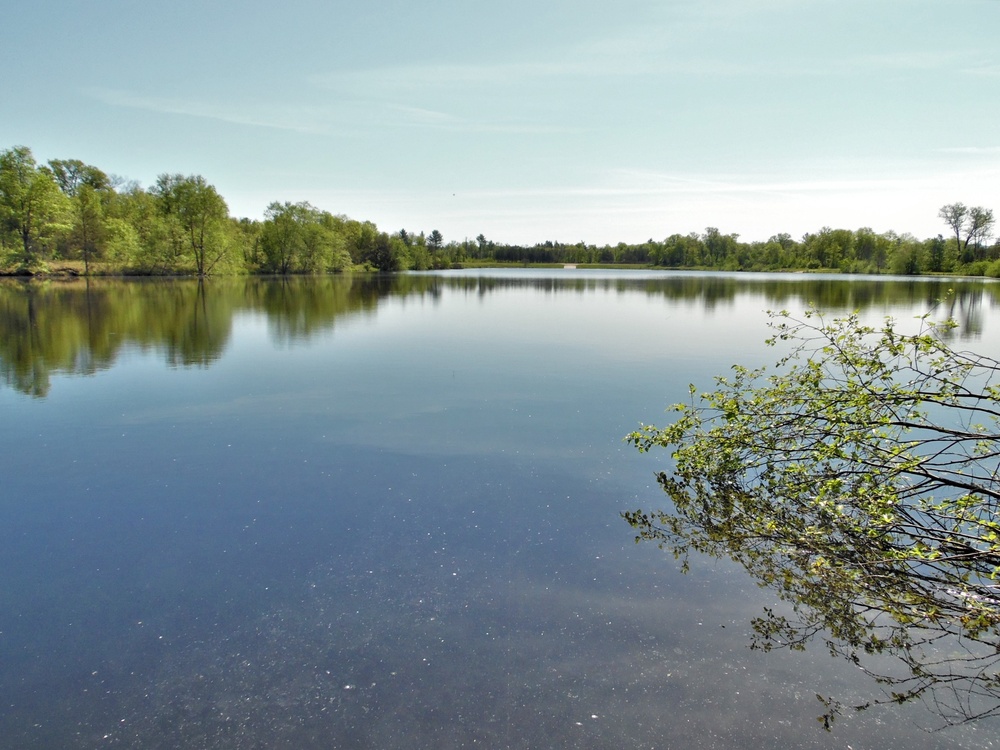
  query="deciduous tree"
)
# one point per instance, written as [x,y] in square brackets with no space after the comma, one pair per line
[31,206]
[199,213]
[860,480]
[976,223]
[72,174]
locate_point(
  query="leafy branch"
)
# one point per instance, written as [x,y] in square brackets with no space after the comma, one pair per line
[860,480]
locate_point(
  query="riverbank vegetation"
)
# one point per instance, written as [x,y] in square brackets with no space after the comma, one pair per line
[858,479]
[69,217]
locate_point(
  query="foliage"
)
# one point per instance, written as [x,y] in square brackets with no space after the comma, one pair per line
[435,240]
[859,480]
[196,215]
[32,209]
[143,239]
[975,222]
[298,238]
[88,228]
[68,209]
[387,254]
[72,174]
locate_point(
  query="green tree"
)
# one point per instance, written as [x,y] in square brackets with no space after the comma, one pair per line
[360,239]
[90,192]
[419,257]
[830,248]
[935,254]
[953,214]
[88,223]
[871,250]
[145,238]
[283,236]
[435,241]
[979,227]
[32,208]
[122,243]
[197,216]
[974,223]
[721,248]
[337,257]
[861,481]
[73,174]
[388,253]
[248,239]
[907,255]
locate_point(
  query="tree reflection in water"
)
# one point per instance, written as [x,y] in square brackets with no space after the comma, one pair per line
[860,480]
[81,327]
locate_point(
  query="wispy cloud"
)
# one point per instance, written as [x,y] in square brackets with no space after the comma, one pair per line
[435,120]
[651,186]
[988,69]
[727,10]
[904,60]
[643,54]
[833,178]
[292,118]
[972,150]
[635,183]
[381,81]
[345,117]
[625,53]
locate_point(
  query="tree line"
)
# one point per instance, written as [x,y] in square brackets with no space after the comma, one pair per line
[66,210]
[967,250]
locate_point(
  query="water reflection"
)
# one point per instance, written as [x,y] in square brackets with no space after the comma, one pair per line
[856,479]
[381,512]
[939,660]
[81,327]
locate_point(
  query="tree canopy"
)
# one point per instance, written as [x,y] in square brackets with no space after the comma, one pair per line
[975,223]
[32,208]
[860,480]
[69,210]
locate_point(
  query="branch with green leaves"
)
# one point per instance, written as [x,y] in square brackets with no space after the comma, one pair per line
[860,479]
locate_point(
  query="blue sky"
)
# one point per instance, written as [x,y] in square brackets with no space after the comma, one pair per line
[528,121]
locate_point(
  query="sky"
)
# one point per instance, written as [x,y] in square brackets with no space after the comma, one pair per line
[562,120]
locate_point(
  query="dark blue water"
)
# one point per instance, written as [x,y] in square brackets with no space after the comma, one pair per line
[337,514]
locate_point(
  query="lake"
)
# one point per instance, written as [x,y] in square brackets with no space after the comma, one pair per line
[385,512]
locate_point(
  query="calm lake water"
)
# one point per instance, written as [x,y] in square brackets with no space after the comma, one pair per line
[385,513]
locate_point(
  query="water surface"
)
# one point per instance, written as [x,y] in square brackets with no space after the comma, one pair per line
[384,512]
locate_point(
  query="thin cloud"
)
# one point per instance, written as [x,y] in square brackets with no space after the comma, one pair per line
[987,69]
[624,54]
[643,54]
[434,120]
[316,120]
[727,10]
[637,183]
[648,183]
[406,78]
[971,150]
[904,61]
[297,119]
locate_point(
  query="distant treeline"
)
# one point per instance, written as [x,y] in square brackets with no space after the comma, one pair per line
[67,210]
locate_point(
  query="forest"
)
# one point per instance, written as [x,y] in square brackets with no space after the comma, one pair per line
[66,216]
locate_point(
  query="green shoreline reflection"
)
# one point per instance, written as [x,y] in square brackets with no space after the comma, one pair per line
[81,327]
